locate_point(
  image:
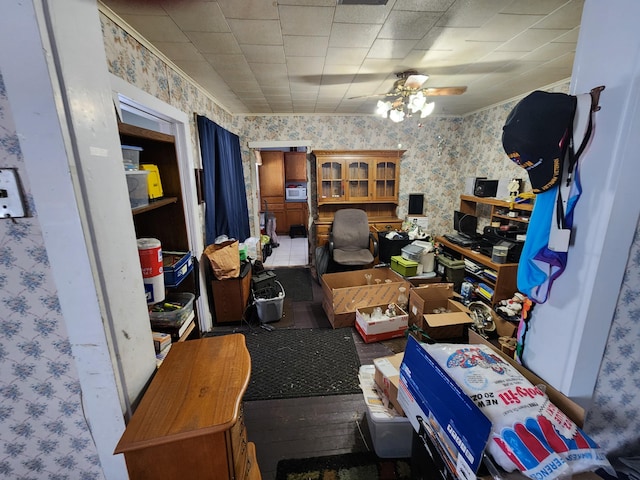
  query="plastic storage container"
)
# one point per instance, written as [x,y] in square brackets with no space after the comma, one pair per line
[412,252]
[270,309]
[391,436]
[388,248]
[176,266]
[407,268]
[451,271]
[175,317]
[138,188]
[131,157]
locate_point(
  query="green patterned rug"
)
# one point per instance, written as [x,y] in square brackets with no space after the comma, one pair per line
[349,466]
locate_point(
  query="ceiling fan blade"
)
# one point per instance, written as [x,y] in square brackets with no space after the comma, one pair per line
[415,81]
[440,91]
[369,96]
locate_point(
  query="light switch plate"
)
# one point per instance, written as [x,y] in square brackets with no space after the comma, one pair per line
[11,204]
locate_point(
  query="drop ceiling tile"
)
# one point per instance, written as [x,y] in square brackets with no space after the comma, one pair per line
[353,34]
[567,17]
[530,40]
[423,5]
[471,14]
[348,56]
[527,7]
[306,20]
[156,28]
[127,7]
[305,46]
[387,48]
[407,25]
[180,51]
[263,53]
[549,51]
[199,17]
[256,32]
[208,42]
[503,27]
[362,13]
[249,9]
[305,66]
[445,38]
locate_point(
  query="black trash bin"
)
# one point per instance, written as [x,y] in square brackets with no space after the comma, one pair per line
[388,248]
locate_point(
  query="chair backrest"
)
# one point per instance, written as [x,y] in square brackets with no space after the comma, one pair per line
[350,229]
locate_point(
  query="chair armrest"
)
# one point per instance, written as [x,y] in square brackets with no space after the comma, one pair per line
[374,240]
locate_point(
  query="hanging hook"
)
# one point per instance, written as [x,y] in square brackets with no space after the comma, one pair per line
[595,98]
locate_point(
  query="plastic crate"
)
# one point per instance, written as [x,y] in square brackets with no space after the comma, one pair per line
[172,318]
[138,188]
[176,266]
[270,309]
[131,157]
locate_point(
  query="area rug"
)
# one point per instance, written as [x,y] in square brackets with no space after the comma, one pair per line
[291,363]
[296,283]
[349,466]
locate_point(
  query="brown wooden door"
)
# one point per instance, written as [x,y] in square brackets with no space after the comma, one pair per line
[271,174]
[295,166]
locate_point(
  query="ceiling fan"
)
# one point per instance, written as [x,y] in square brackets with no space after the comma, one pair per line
[408,97]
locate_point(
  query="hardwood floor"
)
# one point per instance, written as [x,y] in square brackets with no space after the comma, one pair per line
[312,426]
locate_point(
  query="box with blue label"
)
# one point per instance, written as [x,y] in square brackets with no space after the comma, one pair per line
[436,406]
[176,266]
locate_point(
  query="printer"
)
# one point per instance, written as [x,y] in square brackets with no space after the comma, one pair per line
[494,236]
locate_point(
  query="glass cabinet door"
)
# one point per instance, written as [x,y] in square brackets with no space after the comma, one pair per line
[359,179]
[331,181]
[385,179]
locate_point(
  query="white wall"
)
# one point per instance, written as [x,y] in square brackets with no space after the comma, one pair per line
[569,332]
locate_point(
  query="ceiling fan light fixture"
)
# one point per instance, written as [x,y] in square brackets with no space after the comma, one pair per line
[427,109]
[383,108]
[417,102]
[396,115]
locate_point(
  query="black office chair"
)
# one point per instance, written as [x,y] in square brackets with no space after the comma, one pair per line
[351,245]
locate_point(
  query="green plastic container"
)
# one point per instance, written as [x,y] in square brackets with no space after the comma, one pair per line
[406,268]
[451,271]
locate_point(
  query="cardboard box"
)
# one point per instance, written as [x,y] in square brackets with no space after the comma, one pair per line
[378,337]
[387,378]
[424,300]
[344,292]
[389,324]
[437,407]
[391,433]
[457,426]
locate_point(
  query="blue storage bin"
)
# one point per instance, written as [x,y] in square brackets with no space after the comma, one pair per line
[176,266]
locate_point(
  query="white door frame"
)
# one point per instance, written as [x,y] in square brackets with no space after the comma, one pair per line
[131,95]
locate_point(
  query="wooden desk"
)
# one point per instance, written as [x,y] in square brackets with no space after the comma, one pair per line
[189,424]
[506,281]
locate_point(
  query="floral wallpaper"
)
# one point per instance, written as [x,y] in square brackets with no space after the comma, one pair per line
[44,431]
[441,154]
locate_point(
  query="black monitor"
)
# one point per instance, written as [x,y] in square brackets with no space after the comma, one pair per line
[465,223]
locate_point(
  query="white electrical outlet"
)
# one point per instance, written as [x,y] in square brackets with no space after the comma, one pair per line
[11,204]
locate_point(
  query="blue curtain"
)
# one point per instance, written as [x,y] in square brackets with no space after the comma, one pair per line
[223,183]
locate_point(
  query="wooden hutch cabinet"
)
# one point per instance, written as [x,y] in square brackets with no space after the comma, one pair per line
[365,179]
[189,423]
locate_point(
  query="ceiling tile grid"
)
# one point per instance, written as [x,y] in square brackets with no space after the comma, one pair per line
[314,56]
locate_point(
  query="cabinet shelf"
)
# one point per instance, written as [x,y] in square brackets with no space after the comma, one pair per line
[511,219]
[161,202]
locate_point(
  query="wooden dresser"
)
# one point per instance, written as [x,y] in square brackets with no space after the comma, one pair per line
[189,424]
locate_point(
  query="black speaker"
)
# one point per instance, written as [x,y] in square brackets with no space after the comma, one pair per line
[416,202]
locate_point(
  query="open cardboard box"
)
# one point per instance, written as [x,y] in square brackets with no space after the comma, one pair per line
[384,329]
[424,300]
[344,292]
[427,393]
[387,379]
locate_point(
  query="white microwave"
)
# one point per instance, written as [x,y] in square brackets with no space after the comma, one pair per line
[297,193]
